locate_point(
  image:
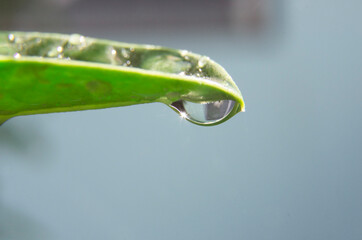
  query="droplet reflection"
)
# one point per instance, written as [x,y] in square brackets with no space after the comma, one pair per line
[204,113]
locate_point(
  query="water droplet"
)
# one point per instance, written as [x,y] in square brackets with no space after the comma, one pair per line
[125,53]
[17,55]
[127,63]
[59,49]
[113,56]
[204,113]
[11,38]
[199,73]
[167,63]
[76,39]
[203,61]
[183,53]
[147,46]
[53,53]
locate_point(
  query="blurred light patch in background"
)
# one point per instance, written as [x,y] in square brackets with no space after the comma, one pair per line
[72,15]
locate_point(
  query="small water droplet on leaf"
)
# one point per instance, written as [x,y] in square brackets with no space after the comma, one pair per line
[17,55]
[11,38]
[203,61]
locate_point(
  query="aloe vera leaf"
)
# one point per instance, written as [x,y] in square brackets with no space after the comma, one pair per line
[45,73]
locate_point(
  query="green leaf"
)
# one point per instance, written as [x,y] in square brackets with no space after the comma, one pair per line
[45,73]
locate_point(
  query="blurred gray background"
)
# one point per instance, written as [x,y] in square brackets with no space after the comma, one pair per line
[290,167]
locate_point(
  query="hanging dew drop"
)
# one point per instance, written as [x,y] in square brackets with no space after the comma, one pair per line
[204,113]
